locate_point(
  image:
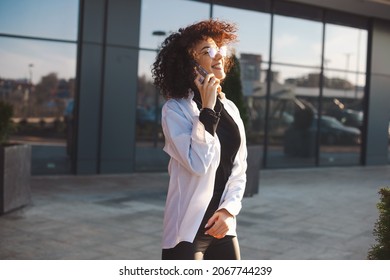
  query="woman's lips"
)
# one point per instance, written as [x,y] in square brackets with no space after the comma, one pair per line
[217,66]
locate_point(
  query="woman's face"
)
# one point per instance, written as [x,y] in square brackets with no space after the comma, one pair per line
[209,56]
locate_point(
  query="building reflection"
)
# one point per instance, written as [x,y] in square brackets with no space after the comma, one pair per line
[295,128]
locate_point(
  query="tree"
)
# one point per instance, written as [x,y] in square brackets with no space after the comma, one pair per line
[46,88]
[232,87]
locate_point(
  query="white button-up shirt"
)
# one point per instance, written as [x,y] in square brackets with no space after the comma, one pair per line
[195,156]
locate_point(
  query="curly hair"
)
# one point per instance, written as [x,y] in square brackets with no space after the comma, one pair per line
[173,71]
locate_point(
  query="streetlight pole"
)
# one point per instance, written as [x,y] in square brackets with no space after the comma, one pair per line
[28,91]
[347,55]
[30,67]
[357,65]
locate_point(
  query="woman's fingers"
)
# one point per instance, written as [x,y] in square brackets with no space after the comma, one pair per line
[218,230]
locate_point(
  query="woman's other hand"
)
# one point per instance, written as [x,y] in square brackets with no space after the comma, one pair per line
[218,225]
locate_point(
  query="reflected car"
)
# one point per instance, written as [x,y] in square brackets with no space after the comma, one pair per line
[334,132]
[350,117]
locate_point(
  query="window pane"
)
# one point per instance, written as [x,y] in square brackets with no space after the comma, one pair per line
[297,41]
[149,136]
[55,19]
[293,108]
[343,95]
[345,48]
[149,103]
[342,118]
[30,59]
[167,16]
[254,87]
[38,78]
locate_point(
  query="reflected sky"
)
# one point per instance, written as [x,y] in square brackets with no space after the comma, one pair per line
[46,57]
[297,41]
[54,19]
[253,29]
[345,47]
[41,18]
[168,16]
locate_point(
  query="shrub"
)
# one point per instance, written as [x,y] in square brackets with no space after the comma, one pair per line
[381,250]
[6,125]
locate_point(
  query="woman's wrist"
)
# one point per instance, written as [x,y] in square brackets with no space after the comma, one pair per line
[226,212]
[207,109]
[210,119]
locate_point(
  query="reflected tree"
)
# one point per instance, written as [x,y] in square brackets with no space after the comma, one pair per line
[232,87]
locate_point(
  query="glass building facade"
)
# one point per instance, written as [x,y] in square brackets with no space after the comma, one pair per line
[78,75]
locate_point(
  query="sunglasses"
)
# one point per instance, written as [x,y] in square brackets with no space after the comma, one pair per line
[212,51]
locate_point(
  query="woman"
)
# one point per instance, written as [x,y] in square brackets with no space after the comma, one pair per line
[205,139]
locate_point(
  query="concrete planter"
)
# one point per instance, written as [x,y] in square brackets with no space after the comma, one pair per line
[253,170]
[15,172]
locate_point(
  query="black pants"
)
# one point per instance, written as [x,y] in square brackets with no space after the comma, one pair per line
[205,247]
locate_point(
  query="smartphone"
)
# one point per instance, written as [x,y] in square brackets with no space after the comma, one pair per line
[201,71]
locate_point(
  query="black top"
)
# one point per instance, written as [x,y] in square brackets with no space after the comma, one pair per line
[221,123]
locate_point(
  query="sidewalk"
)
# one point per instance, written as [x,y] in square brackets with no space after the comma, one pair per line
[318,213]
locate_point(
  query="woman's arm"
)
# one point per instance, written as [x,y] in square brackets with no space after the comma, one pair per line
[187,141]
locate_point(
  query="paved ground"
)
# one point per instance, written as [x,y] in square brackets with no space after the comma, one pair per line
[317,213]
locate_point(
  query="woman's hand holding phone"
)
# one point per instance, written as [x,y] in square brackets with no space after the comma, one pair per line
[208,86]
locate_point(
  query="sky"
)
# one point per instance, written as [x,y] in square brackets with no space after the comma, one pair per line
[296,41]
